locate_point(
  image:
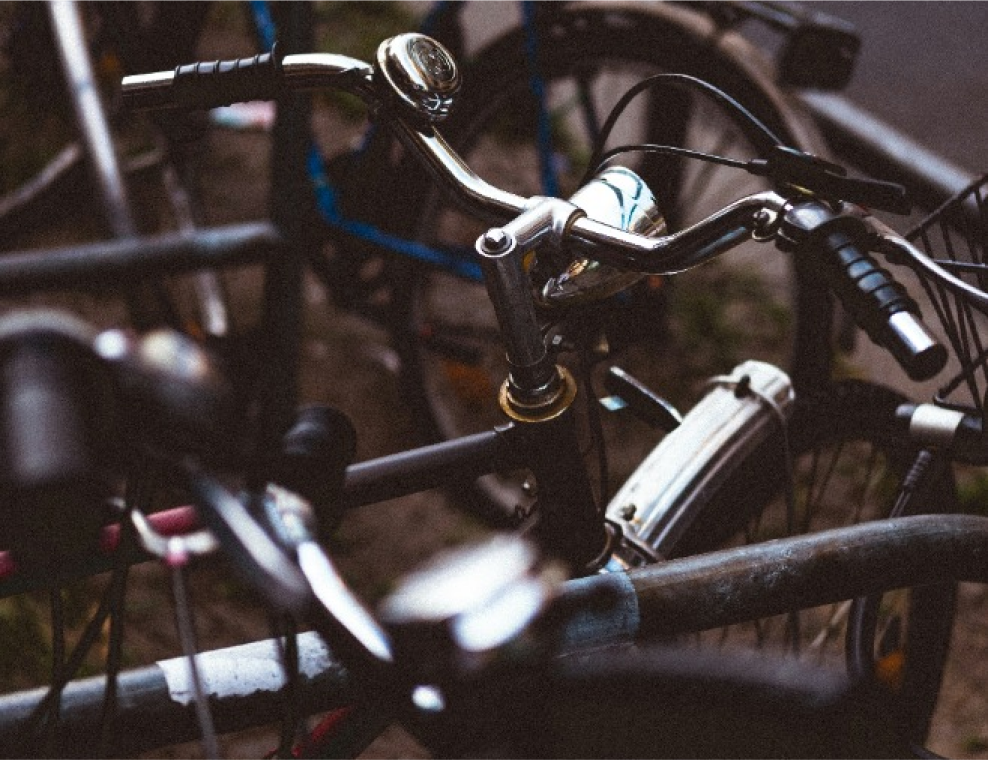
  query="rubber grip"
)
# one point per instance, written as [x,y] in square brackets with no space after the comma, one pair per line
[217,83]
[875,300]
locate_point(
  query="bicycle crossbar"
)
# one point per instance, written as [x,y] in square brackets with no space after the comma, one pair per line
[124,260]
[427,467]
[245,683]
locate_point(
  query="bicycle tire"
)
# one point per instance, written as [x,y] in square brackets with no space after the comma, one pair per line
[445,391]
[666,702]
[847,435]
[159,36]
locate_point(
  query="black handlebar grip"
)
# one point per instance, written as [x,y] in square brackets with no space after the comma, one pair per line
[217,83]
[880,305]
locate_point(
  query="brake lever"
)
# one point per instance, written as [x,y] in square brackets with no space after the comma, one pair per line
[788,166]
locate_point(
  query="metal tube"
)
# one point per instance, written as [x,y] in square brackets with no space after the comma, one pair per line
[736,585]
[430,466]
[882,151]
[462,184]
[244,686]
[508,287]
[685,595]
[90,115]
[661,255]
[124,261]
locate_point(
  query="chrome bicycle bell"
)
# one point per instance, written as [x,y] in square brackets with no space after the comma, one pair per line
[461,608]
[421,73]
[618,197]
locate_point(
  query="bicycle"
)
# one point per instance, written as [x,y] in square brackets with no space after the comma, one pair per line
[157,36]
[476,453]
[442,361]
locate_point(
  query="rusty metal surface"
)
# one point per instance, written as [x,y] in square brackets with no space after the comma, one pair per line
[730,586]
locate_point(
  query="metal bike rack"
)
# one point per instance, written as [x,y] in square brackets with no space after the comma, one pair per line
[245,685]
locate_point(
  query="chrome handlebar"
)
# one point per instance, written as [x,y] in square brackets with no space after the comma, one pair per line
[412,87]
[665,254]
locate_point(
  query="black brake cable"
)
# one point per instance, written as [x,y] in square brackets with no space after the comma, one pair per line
[761,137]
[668,150]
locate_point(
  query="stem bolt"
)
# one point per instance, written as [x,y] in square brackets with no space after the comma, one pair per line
[765,223]
[495,240]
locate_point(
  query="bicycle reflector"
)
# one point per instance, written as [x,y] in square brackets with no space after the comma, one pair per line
[55,429]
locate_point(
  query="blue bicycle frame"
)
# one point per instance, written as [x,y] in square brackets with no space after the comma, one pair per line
[456,261]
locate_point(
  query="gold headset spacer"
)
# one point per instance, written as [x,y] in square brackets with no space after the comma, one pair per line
[543,411]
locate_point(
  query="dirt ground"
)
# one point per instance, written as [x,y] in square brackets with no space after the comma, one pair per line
[348,363]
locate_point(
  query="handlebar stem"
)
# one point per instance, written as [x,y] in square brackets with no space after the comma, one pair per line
[532,377]
[534,383]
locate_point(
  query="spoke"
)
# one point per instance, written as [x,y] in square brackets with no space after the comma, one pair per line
[186,633]
[43,709]
[114,657]
[701,178]
[794,631]
[870,482]
[838,616]
[57,665]
[812,504]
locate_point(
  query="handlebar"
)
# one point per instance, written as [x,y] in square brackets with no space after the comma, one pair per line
[837,247]
[412,86]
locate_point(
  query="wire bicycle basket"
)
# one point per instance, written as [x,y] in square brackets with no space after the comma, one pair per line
[955,236]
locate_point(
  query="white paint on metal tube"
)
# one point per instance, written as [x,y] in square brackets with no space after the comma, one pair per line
[243,670]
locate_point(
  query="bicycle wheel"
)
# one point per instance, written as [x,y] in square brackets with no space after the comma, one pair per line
[152,37]
[848,466]
[587,59]
[667,702]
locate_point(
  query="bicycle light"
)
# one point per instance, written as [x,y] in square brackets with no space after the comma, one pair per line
[742,412]
[618,197]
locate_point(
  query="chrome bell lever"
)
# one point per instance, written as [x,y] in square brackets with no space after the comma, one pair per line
[421,74]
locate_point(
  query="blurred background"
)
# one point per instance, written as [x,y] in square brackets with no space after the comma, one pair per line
[923,67]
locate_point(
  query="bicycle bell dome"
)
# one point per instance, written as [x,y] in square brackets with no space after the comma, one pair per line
[421,73]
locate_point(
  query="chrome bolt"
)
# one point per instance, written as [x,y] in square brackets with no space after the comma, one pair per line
[495,240]
[627,512]
[764,221]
